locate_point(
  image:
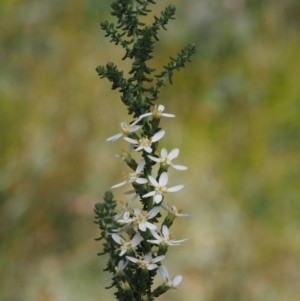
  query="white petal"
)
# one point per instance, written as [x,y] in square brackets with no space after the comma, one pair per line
[153,212]
[122,252]
[158,258]
[140,166]
[139,148]
[154,159]
[136,239]
[177,280]
[173,154]
[164,271]
[165,231]
[163,153]
[119,185]
[142,227]
[167,115]
[161,108]
[153,181]
[134,128]
[158,135]
[179,167]
[115,137]
[126,215]
[150,226]
[132,259]
[130,140]
[135,122]
[158,198]
[156,242]
[163,179]
[148,149]
[137,211]
[144,115]
[119,240]
[154,234]
[141,181]
[148,194]
[122,265]
[152,266]
[175,188]
[133,199]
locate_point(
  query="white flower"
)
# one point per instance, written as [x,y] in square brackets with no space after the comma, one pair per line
[119,269]
[173,211]
[160,188]
[126,130]
[157,113]
[144,143]
[142,220]
[165,239]
[127,245]
[134,176]
[166,159]
[148,262]
[168,281]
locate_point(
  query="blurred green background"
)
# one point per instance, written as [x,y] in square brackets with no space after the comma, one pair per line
[237,108]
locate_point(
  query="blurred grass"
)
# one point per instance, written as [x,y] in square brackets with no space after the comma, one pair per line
[237,125]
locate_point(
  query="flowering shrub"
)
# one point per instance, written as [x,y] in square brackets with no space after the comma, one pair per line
[135,238]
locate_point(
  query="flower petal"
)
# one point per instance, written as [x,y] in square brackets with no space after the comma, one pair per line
[134,128]
[163,153]
[140,166]
[115,137]
[151,193]
[179,167]
[141,181]
[142,227]
[175,188]
[153,181]
[167,115]
[164,271]
[158,135]
[158,198]
[119,185]
[150,226]
[165,231]
[130,140]
[118,239]
[177,280]
[173,154]
[163,179]
[152,266]
[154,159]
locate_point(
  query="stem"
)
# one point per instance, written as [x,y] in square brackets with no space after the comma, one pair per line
[140,95]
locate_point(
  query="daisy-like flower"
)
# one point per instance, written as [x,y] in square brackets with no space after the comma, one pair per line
[148,262]
[165,239]
[142,220]
[157,113]
[174,212]
[144,143]
[126,130]
[126,246]
[170,282]
[119,269]
[166,159]
[160,188]
[134,176]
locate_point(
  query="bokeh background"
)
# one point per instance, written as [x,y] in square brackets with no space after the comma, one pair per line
[237,108]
